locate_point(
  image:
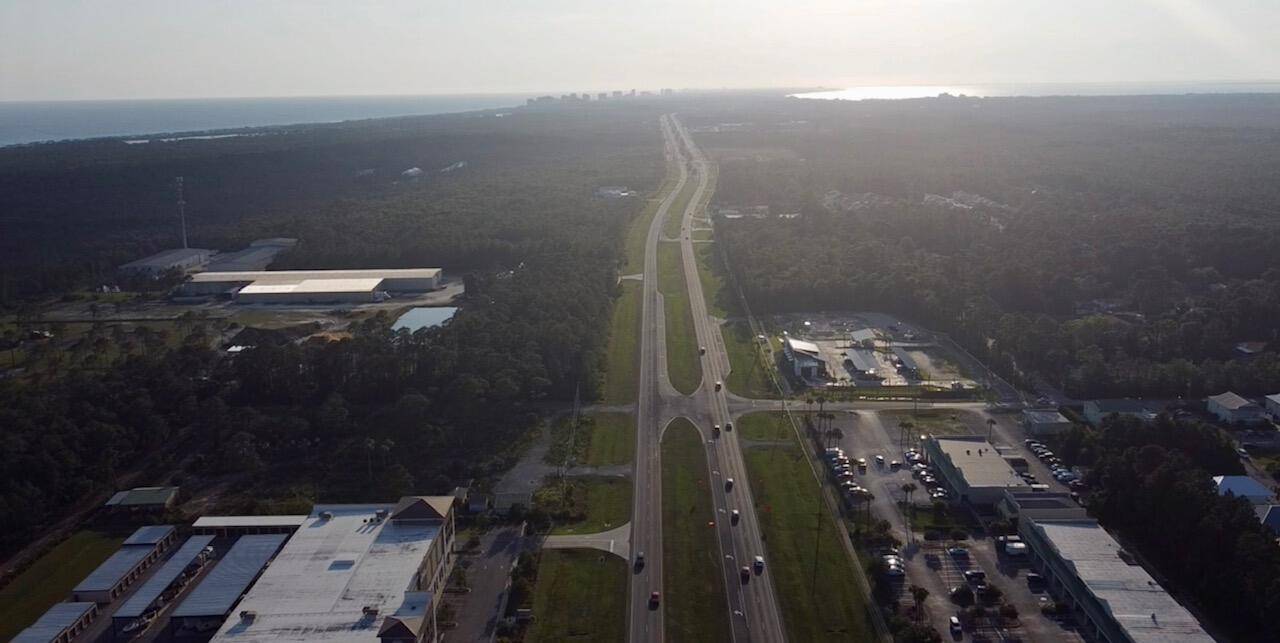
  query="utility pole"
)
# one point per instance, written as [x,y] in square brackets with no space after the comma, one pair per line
[182,213]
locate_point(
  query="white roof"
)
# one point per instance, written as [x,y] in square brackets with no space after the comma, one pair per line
[1230,401]
[1145,611]
[312,286]
[294,276]
[1241,486]
[214,522]
[979,462]
[317,587]
[802,346]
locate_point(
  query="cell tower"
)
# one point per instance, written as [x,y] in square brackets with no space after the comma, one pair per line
[182,213]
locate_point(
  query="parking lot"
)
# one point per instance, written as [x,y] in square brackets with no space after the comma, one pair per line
[925,562]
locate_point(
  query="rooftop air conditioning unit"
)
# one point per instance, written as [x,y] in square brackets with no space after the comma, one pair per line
[326,515]
[370,610]
[248,615]
[381,514]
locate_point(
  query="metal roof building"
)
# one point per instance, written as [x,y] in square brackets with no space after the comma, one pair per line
[353,573]
[1244,487]
[143,497]
[1119,599]
[177,259]
[973,468]
[142,600]
[231,576]
[151,535]
[60,624]
[116,573]
[241,525]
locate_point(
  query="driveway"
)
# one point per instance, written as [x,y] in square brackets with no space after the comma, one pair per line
[488,574]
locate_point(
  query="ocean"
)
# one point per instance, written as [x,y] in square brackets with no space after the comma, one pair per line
[30,122]
[897,92]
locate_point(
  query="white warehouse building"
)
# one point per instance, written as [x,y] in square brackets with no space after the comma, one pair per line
[312,286]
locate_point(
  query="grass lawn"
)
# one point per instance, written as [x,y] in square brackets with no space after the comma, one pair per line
[613,440]
[580,595]
[765,426]
[715,283]
[695,603]
[51,578]
[748,374]
[586,505]
[624,346]
[934,421]
[638,233]
[682,340]
[819,595]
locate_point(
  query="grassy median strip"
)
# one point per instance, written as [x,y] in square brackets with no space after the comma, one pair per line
[624,346]
[638,233]
[580,595]
[613,440]
[720,302]
[696,609]
[671,227]
[813,576]
[682,340]
[51,578]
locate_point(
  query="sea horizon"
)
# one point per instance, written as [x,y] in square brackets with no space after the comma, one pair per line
[1044,90]
[44,121]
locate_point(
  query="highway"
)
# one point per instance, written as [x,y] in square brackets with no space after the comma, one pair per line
[752,605]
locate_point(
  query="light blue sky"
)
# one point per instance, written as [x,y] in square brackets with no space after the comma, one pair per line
[84,49]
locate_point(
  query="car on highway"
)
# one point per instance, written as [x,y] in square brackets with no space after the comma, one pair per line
[719,385]
[728,426]
[734,517]
[702,350]
[654,599]
[639,560]
[728,484]
[758,564]
[746,573]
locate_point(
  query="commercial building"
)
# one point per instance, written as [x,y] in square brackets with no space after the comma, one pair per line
[1096,410]
[1104,587]
[805,357]
[207,606]
[118,572]
[180,260]
[1244,487]
[353,573]
[1233,409]
[974,470]
[143,499]
[1035,505]
[311,286]
[1041,422]
[257,256]
[174,573]
[225,526]
[1271,404]
[62,623]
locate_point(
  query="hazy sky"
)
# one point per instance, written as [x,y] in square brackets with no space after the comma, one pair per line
[80,49]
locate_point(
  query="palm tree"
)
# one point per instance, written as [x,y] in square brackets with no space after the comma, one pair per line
[991,428]
[918,594]
[909,488]
[904,429]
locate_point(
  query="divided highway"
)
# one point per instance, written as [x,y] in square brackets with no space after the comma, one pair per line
[753,607]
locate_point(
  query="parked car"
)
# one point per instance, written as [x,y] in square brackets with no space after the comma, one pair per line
[958,552]
[879,461]
[895,465]
[1034,579]
[956,629]
[975,575]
